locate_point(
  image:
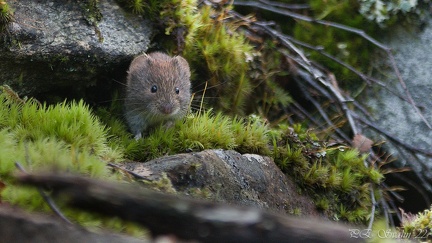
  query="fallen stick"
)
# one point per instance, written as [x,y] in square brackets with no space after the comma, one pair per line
[185,218]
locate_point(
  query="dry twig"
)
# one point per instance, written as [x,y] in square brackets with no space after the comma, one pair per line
[47,198]
[188,219]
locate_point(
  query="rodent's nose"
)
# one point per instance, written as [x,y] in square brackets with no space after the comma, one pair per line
[167,108]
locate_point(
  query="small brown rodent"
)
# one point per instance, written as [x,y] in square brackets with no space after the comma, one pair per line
[157,92]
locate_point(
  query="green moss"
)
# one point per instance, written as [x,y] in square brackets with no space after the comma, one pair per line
[91,11]
[322,204]
[164,184]
[6,15]
[417,226]
[331,175]
[251,135]
[71,123]
[219,54]
[206,130]
[170,14]
[60,138]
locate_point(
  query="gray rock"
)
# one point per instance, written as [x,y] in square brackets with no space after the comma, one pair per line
[229,177]
[54,45]
[413,55]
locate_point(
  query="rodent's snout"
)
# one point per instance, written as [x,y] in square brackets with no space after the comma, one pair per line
[167,108]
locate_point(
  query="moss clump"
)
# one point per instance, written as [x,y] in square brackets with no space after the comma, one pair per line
[61,138]
[219,55]
[92,15]
[71,123]
[207,130]
[170,15]
[417,226]
[335,177]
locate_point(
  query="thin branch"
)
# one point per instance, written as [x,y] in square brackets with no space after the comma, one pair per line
[47,198]
[266,27]
[324,115]
[306,64]
[361,108]
[320,50]
[386,208]
[135,175]
[372,217]
[393,138]
[408,94]
[286,5]
[312,20]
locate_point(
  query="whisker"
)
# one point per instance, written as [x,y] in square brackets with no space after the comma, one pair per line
[122,83]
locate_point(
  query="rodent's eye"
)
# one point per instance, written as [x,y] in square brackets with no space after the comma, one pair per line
[177,90]
[153,89]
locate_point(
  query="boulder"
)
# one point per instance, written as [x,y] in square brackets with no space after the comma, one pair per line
[230,177]
[64,47]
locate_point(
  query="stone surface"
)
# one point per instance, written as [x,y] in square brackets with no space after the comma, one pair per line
[59,46]
[413,56]
[229,177]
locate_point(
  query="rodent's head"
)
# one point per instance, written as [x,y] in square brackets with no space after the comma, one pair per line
[158,86]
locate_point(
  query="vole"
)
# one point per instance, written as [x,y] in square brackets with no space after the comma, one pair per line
[157,91]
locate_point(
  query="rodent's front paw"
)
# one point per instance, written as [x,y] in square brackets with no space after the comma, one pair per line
[138,136]
[168,125]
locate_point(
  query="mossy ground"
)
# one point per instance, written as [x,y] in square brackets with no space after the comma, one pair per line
[68,138]
[60,138]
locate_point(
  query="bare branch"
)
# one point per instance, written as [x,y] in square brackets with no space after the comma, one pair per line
[47,198]
[186,218]
[408,94]
[286,5]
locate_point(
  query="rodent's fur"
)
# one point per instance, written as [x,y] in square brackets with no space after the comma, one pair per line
[147,106]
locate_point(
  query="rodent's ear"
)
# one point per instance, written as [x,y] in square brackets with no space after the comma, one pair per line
[182,64]
[140,62]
